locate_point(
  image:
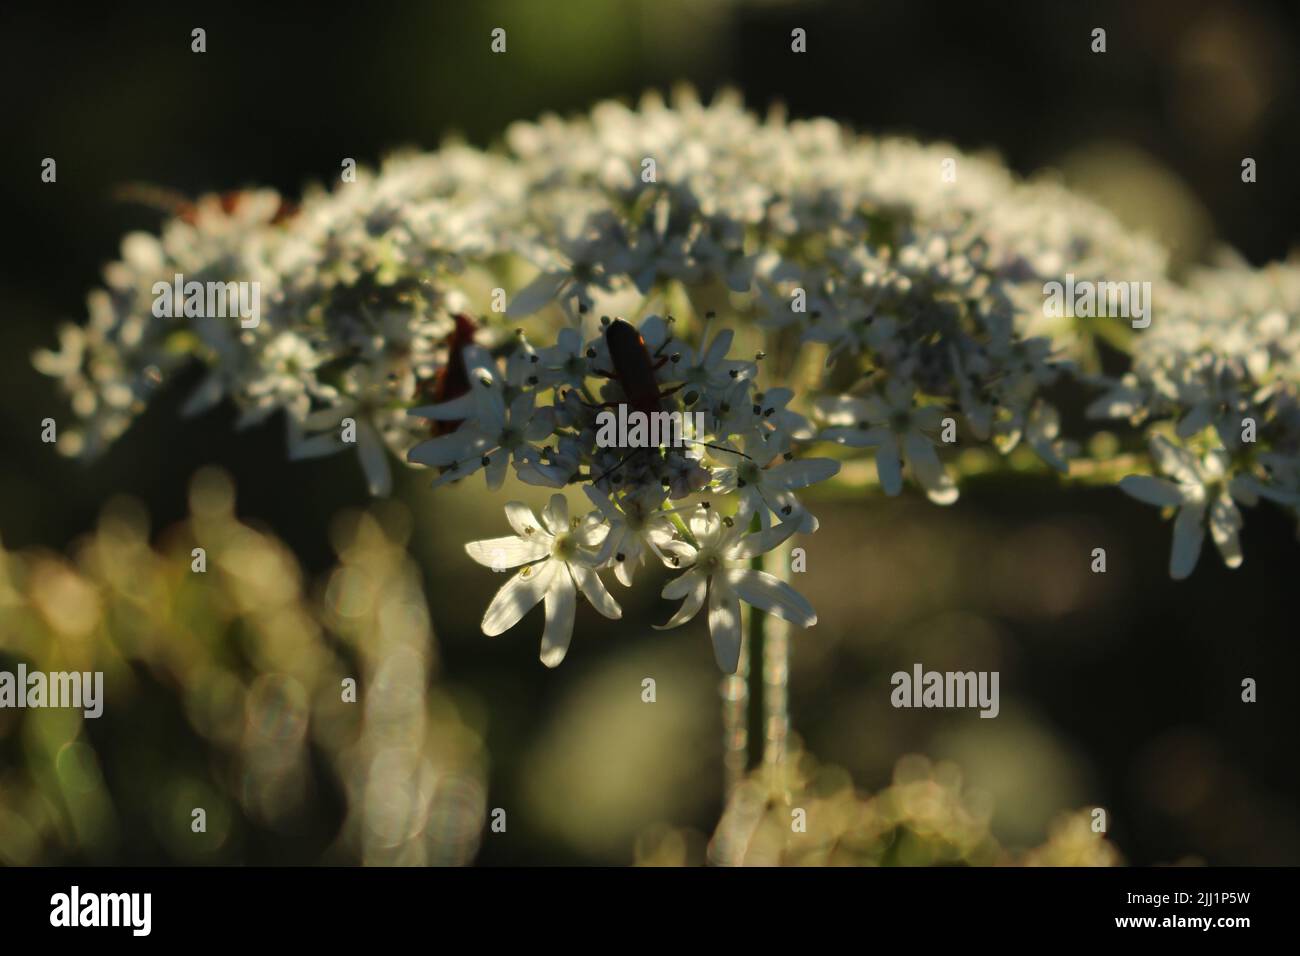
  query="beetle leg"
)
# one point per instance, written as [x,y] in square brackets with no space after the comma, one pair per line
[601,373]
[669,391]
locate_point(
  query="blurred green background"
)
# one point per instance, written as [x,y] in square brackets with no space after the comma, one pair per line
[1119,690]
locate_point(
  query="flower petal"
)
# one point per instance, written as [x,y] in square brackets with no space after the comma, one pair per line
[761,542]
[683,584]
[593,589]
[889,467]
[769,593]
[802,472]
[724,627]
[1153,491]
[556,515]
[1177,462]
[718,348]
[508,552]
[536,294]
[374,460]
[561,604]
[460,445]
[523,520]
[1189,532]
[453,410]
[517,597]
[1225,523]
[929,470]
[497,464]
[704,524]
[693,585]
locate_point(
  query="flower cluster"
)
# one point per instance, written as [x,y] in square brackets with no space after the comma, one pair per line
[1214,383]
[544,413]
[855,294]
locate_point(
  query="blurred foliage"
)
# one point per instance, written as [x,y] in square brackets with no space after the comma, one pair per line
[805,813]
[225,690]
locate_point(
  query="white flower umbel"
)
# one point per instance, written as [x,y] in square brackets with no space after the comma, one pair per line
[558,557]
[1200,491]
[716,563]
[847,258]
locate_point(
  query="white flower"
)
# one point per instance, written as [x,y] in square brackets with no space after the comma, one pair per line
[635,526]
[564,363]
[579,259]
[559,559]
[1043,432]
[707,370]
[286,380]
[785,424]
[897,430]
[717,566]
[768,489]
[1124,398]
[493,432]
[1202,494]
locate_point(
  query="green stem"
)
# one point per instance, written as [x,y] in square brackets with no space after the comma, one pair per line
[776,669]
[735,723]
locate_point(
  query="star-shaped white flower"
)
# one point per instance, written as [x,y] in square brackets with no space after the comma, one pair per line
[500,422]
[897,430]
[769,488]
[1201,492]
[717,567]
[558,557]
[635,526]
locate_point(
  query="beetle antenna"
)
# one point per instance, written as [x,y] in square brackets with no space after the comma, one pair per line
[691,441]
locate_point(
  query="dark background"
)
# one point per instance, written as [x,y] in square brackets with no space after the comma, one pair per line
[1121,691]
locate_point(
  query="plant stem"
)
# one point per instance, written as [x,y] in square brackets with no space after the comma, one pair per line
[735,722]
[776,670]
